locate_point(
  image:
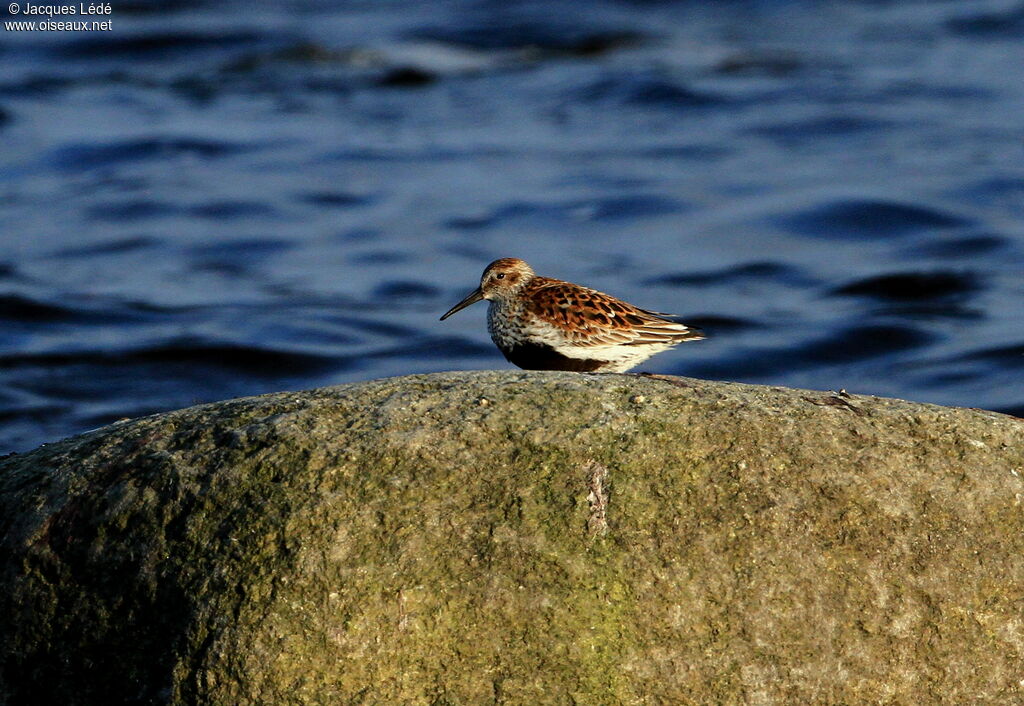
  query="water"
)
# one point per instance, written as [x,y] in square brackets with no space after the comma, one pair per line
[213,201]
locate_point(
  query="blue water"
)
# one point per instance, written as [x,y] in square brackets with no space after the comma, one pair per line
[212,200]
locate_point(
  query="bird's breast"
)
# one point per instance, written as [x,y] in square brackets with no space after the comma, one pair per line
[504,323]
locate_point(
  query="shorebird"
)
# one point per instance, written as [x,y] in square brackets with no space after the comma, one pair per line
[540,323]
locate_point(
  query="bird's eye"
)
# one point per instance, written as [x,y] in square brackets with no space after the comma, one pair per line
[500,275]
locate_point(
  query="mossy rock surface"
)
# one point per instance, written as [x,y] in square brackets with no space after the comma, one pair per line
[520,538]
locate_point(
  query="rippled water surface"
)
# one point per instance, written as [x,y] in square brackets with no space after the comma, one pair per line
[213,200]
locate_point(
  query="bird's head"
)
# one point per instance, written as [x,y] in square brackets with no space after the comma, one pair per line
[502,279]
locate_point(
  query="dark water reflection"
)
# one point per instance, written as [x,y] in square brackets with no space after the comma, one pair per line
[213,201]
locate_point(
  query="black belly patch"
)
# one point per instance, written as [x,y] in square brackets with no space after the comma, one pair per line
[537,356]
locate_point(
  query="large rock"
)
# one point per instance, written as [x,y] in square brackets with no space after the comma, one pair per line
[520,538]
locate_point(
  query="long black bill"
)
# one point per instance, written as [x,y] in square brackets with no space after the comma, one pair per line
[473,298]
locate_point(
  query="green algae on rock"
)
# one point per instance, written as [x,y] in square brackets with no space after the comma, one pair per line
[514,537]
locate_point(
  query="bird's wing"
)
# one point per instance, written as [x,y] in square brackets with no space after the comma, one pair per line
[587,317]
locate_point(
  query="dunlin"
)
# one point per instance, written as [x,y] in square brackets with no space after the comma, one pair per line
[540,323]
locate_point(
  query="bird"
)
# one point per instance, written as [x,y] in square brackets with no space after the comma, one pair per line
[541,323]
